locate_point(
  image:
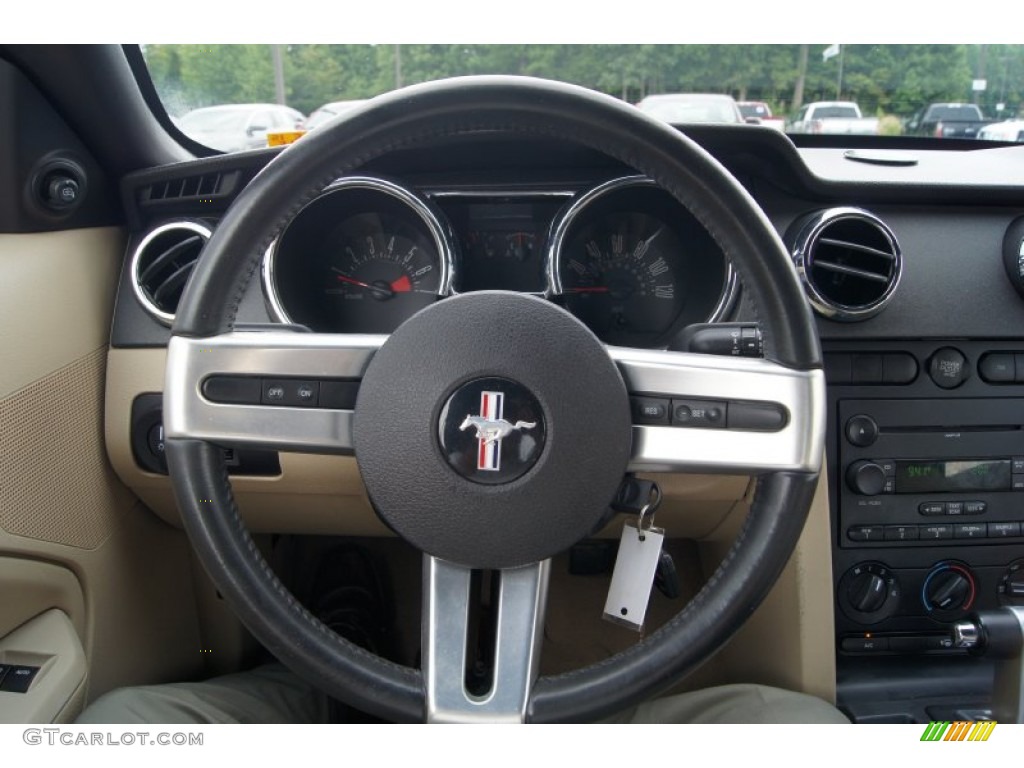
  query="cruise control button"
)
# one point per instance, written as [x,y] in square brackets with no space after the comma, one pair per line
[1003,530]
[932,508]
[291,392]
[970,531]
[763,417]
[865,533]
[241,390]
[948,368]
[699,413]
[650,410]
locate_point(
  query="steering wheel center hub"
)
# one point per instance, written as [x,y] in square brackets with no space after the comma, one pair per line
[492,430]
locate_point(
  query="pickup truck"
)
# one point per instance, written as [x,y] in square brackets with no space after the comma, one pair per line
[947,121]
[841,117]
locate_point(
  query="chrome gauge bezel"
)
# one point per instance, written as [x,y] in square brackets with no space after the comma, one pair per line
[432,218]
[563,224]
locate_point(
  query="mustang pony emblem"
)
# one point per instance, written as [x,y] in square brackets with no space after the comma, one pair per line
[491,429]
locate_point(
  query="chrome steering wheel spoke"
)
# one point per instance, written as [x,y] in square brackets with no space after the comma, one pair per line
[446,633]
[192,410]
[795,444]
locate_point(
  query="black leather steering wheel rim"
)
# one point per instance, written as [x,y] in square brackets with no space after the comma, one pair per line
[451,109]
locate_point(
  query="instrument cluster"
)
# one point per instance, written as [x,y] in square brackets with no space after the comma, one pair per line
[624,257]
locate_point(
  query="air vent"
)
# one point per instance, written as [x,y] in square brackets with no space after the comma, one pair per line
[162,264]
[205,186]
[849,261]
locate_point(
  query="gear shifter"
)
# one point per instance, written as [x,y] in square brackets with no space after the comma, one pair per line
[999,634]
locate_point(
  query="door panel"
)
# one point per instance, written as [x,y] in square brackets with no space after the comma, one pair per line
[60,502]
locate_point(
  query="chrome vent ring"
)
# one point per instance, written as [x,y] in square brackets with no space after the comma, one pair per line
[162,263]
[849,261]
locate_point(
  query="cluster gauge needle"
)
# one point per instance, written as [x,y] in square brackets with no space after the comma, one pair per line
[380,289]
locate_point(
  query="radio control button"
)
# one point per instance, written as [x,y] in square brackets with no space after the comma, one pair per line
[948,368]
[997,367]
[975,507]
[901,533]
[861,430]
[932,508]
[888,466]
[954,507]
[1003,530]
[1018,482]
[970,531]
[865,533]
[936,531]
[1018,465]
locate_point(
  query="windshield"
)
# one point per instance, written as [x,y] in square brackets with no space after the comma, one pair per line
[870,90]
[215,119]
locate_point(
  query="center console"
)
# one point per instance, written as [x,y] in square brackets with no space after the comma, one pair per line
[926,454]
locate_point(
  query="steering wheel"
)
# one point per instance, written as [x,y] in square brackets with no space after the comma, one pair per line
[415,386]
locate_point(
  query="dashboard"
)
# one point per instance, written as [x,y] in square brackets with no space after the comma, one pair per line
[911,260]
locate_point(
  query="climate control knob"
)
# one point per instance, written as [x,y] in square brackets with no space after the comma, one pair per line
[869,592]
[866,478]
[949,590]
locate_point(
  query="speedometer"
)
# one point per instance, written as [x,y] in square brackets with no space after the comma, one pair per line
[361,258]
[622,275]
[635,266]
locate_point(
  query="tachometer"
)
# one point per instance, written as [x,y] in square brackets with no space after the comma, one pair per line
[361,258]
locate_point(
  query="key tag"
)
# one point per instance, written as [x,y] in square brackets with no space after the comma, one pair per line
[635,567]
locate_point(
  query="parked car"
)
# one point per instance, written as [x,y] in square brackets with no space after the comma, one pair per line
[692,108]
[760,113]
[947,121]
[231,127]
[327,111]
[1008,130]
[834,117]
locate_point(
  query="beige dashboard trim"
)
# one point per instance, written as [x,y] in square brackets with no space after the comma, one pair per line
[76,272]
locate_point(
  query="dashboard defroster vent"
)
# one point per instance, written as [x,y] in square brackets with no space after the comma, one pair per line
[163,262]
[206,186]
[849,261]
